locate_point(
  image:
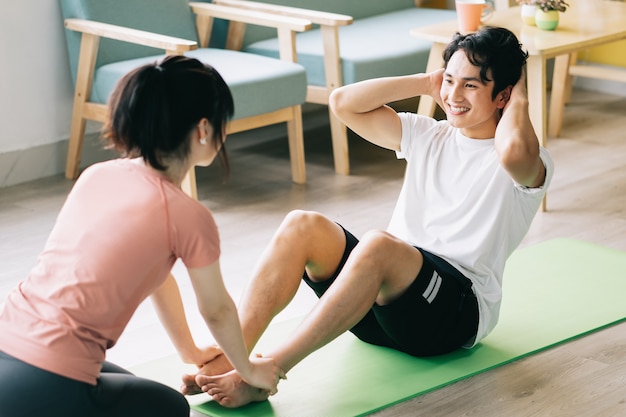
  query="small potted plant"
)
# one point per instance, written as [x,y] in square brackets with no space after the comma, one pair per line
[547,14]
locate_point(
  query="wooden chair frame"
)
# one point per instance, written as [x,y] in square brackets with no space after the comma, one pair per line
[566,67]
[329,25]
[92,32]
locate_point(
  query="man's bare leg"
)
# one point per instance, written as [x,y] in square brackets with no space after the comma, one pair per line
[379,269]
[303,240]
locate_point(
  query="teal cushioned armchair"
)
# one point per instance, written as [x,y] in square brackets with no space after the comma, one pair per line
[353,40]
[108,38]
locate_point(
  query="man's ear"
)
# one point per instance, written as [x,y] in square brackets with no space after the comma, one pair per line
[503,97]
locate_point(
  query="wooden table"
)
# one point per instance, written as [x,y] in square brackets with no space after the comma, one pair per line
[585,24]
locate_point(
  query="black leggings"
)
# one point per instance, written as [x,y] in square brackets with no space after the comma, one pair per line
[26,390]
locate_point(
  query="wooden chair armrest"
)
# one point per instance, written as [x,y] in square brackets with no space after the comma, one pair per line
[250,16]
[329,26]
[120,33]
[317,17]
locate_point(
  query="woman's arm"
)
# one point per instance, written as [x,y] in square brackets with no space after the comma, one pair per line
[169,307]
[220,314]
[516,142]
[363,106]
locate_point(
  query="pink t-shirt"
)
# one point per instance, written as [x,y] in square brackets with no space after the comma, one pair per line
[116,238]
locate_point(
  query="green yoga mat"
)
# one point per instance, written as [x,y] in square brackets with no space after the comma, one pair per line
[545,287]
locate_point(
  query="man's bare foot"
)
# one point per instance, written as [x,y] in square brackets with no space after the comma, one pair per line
[217,366]
[229,390]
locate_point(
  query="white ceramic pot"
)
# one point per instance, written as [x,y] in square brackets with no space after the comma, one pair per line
[528,14]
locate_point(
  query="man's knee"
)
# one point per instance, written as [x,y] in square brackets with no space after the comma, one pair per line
[315,240]
[378,241]
[304,222]
[379,249]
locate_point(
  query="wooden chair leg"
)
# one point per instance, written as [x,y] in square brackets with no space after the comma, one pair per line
[334,79]
[427,104]
[569,79]
[559,94]
[296,146]
[75,146]
[84,81]
[339,134]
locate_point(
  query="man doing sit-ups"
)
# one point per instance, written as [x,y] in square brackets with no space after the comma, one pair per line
[432,282]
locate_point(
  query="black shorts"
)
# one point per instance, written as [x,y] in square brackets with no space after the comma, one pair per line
[437,314]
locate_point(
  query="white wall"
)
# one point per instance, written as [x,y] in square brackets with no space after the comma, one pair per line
[36,91]
[35,81]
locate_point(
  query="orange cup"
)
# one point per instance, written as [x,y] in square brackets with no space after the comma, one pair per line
[471,14]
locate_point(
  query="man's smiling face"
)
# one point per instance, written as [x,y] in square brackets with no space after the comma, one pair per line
[468,100]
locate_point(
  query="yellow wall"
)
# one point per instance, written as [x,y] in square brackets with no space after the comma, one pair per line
[609,54]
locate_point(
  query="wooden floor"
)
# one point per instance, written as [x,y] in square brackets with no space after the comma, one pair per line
[587,201]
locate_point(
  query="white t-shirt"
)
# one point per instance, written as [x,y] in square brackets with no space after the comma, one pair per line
[459,203]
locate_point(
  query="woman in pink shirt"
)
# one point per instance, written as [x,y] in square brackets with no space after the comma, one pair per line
[121,229]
